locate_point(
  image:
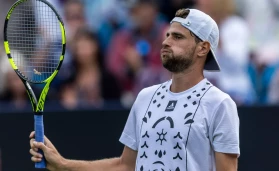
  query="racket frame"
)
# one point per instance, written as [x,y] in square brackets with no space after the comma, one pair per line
[37,105]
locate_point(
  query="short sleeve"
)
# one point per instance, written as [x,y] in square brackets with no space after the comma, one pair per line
[224,128]
[129,134]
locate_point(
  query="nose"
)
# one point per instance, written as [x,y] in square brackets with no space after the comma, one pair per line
[166,42]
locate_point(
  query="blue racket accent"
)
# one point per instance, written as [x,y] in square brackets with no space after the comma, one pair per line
[39,137]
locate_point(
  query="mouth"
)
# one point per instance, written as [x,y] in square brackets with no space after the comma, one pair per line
[165,51]
[159,162]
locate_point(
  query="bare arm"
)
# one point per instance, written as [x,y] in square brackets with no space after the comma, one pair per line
[55,162]
[226,162]
[124,163]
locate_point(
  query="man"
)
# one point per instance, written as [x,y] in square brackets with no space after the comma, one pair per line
[183,124]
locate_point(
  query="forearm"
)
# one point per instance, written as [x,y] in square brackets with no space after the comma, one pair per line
[113,164]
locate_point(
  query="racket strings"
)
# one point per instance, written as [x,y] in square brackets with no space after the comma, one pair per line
[34,37]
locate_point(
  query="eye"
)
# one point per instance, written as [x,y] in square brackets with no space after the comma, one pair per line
[177,36]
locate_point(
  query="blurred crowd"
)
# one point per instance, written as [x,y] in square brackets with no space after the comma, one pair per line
[113,51]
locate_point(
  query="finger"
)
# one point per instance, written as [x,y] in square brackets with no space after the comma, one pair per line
[35,154]
[48,143]
[40,145]
[32,134]
[31,143]
[35,159]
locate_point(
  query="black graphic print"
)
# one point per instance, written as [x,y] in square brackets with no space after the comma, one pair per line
[171,105]
[177,157]
[143,155]
[160,153]
[149,114]
[159,162]
[189,121]
[144,145]
[178,136]
[145,135]
[162,119]
[161,136]
[187,115]
[144,119]
[166,130]
[177,146]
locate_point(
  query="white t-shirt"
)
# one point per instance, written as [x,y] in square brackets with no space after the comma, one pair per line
[181,131]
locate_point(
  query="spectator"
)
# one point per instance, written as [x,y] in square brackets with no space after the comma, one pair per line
[90,83]
[14,94]
[5,5]
[74,20]
[262,71]
[233,51]
[134,54]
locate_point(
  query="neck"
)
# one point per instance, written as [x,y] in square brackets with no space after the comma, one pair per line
[88,66]
[185,80]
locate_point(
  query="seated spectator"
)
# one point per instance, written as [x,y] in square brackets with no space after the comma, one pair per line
[134,52]
[90,84]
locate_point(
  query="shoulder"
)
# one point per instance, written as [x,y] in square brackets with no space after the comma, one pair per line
[149,92]
[215,98]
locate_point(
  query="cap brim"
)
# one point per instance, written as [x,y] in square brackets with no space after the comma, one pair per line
[211,63]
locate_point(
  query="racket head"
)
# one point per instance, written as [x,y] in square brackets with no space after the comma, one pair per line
[34,40]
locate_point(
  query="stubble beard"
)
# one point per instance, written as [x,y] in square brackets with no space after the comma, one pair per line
[179,63]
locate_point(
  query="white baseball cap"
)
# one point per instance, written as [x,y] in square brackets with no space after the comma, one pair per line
[205,28]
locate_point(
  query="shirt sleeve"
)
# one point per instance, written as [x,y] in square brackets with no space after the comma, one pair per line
[224,128]
[129,134]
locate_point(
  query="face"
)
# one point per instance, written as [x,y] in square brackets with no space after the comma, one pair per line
[86,50]
[178,49]
[144,16]
[74,17]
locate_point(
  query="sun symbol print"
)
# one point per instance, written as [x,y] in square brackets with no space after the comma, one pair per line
[161,136]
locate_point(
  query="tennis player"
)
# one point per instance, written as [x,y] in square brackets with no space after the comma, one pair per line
[184,124]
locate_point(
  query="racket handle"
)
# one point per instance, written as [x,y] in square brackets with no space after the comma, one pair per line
[39,137]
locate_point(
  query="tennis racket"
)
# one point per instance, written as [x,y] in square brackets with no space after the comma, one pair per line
[35,42]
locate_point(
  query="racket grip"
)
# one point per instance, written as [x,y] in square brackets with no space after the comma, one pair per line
[39,137]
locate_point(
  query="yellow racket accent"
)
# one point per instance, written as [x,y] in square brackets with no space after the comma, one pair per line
[12,63]
[7,49]
[63,33]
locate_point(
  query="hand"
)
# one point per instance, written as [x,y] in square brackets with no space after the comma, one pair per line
[53,158]
[133,59]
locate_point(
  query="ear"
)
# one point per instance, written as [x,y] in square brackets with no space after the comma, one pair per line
[203,48]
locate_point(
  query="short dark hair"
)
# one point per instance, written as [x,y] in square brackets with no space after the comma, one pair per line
[183,13]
